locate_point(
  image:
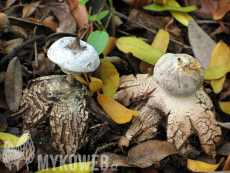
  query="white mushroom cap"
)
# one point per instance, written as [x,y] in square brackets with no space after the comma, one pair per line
[79,61]
[179,74]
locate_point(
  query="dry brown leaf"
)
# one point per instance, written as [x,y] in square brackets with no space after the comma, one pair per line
[9,2]
[204,12]
[139,3]
[150,152]
[1,141]
[11,44]
[78,12]
[217,31]
[222,8]
[20,29]
[3,103]
[150,21]
[224,149]
[202,44]
[114,159]
[3,127]
[149,170]
[29,8]
[117,62]
[13,84]
[45,66]
[51,24]
[67,22]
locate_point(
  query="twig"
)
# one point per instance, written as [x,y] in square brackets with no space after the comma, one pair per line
[16,49]
[149,29]
[210,22]
[106,146]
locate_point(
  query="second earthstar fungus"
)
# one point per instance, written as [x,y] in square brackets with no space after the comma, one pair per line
[185,115]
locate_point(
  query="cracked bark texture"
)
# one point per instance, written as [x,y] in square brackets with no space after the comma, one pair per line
[67,108]
[185,115]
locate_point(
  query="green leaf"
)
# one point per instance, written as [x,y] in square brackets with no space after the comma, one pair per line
[217,72]
[159,7]
[139,48]
[182,17]
[99,17]
[83,2]
[99,40]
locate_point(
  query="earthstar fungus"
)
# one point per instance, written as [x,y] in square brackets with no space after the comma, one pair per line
[74,56]
[187,112]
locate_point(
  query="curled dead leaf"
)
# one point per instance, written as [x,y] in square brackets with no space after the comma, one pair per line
[13,84]
[123,141]
[150,152]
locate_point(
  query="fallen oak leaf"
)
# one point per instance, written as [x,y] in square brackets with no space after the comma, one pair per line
[115,110]
[198,166]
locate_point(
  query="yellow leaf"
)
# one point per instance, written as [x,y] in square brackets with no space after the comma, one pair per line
[95,84]
[182,17]
[110,78]
[80,167]
[217,84]
[14,140]
[161,41]
[146,67]
[225,107]
[161,1]
[110,46]
[115,110]
[81,79]
[217,72]
[139,48]
[220,55]
[198,166]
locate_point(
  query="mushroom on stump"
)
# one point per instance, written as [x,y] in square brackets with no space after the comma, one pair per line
[74,56]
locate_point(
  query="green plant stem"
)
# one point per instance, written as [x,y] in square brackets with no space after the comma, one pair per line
[111,5]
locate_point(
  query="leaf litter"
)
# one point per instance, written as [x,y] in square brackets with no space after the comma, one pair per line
[127,56]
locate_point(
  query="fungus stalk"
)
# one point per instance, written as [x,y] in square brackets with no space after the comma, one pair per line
[74,57]
[75,45]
